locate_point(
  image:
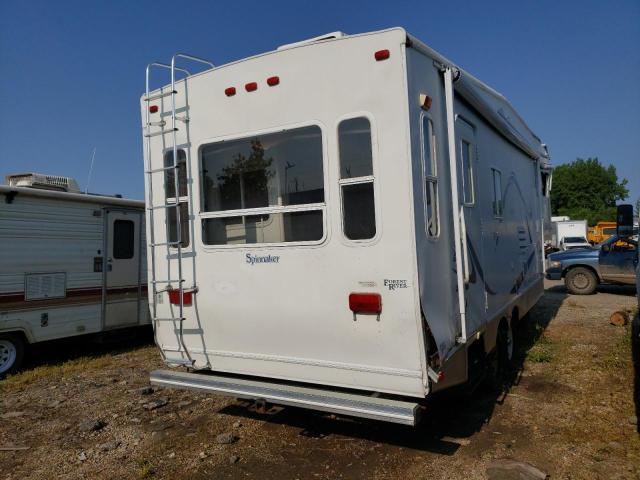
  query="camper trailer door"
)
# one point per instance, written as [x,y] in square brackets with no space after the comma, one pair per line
[122,272]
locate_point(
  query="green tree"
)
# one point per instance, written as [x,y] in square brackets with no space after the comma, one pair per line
[587,189]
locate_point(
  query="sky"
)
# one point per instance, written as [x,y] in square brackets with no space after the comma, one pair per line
[72,72]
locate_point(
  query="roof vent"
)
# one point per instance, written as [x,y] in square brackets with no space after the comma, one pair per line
[326,36]
[45,182]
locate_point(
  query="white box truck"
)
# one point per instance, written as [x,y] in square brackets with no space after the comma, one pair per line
[570,234]
[348,224]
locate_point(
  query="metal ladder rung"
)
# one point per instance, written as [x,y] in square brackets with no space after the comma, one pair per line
[161,132]
[163,169]
[165,244]
[178,361]
[161,123]
[160,95]
[168,319]
[170,205]
[167,281]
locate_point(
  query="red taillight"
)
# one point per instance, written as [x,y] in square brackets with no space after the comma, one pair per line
[273,81]
[382,55]
[365,303]
[230,92]
[174,297]
[153,108]
[251,86]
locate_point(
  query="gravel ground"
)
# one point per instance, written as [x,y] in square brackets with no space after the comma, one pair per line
[88,412]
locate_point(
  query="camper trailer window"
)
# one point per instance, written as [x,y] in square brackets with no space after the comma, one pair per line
[430,178]
[184,225]
[169,177]
[467,172]
[356,178]
[270,170]
[123,239]
[497,192]
[306,226]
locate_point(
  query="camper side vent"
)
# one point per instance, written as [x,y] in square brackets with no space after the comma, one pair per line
[46,182]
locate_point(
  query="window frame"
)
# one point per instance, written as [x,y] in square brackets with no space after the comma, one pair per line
[321,206]
[182,199]
[429,179]
[496,214]
[342,182]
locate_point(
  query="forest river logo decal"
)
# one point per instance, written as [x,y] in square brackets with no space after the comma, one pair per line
[254,259]
[395,284]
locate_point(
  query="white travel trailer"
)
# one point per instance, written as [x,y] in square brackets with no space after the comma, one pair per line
[355,223]
[70,263]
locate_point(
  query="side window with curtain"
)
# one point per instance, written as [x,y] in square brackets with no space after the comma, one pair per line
[430,170]
[356,179]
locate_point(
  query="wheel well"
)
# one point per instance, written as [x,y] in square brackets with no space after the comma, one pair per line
[588,267]
[17,333]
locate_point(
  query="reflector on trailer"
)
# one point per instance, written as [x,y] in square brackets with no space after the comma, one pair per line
[230,91]
[251,86]
[382,55]
[365,303]
[273,81]
[153,108]
[174,297]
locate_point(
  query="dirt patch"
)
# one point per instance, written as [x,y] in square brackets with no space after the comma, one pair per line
[90,414]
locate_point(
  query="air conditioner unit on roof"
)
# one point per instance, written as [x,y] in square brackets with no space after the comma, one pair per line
[46,182]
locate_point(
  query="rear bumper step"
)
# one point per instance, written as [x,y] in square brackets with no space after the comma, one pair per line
[342,403]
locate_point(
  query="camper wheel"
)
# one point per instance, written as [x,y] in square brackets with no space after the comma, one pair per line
[11,353]
[503,354]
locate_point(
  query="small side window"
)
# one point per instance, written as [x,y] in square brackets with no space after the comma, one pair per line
[356,179]
[497,192]
[431,207]
[172,233]
[123,239]
[169,176]
[467,172]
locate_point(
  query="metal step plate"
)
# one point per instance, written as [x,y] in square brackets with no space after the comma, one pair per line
[342,403]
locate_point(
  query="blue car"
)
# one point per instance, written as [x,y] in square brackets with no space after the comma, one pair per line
[614,261]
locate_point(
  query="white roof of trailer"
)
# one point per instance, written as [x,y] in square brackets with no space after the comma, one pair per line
[72,197]
[492,105]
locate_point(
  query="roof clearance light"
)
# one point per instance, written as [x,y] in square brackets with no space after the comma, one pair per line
[230,91]
[382,55]
[251,87]
[273,81]
[174,297]
[365,303]
[153,108]
[425,101]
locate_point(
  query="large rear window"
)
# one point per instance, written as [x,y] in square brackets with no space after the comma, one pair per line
[257,188]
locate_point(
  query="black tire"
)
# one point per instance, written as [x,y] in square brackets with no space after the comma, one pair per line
[11,353]
[501,365]
[581,281]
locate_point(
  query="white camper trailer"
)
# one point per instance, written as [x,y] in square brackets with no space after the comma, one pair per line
[70,263]
[355,223]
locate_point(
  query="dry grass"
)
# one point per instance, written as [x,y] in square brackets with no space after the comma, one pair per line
[55,372]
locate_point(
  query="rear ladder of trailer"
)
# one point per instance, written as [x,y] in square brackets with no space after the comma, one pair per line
[168,284]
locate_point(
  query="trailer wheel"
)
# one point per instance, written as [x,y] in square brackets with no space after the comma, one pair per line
[502,357]
[11,353]
[581,281]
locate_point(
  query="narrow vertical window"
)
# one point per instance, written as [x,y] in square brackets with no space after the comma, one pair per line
[356,179]
[429,164]
[123,239]
[497,192]
[466,159]
[170,193]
